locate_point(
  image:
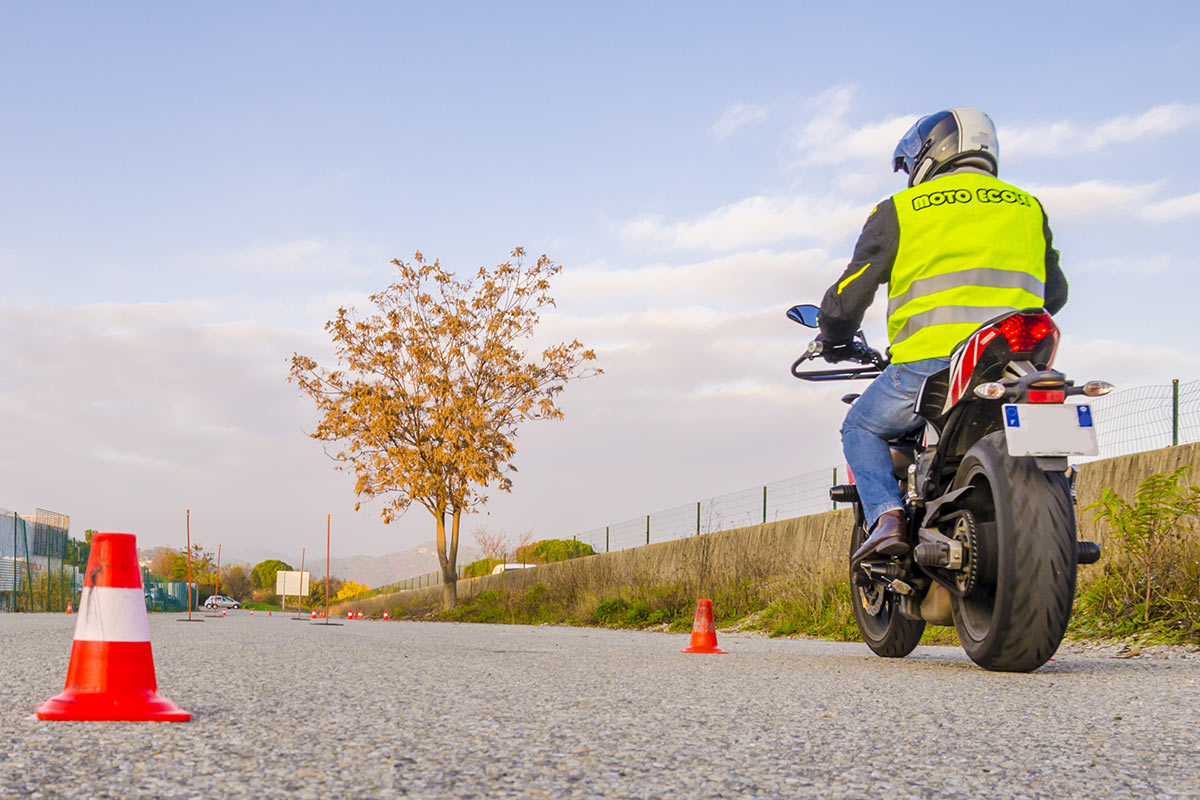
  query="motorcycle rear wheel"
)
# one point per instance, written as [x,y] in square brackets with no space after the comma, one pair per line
[887,632]
[1015,618]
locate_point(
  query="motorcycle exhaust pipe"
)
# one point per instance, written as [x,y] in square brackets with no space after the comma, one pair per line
[1087,552]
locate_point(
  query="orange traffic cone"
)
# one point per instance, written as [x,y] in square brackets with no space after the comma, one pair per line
[314,614]
[360,615]
[704,632]
[69,610]
[252,612]
[111,675]
[385,616]
[349,615]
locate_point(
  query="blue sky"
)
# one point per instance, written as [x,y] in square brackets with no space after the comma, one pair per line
[187,192]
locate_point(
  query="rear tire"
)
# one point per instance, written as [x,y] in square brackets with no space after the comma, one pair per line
[887,633]
[1016,616]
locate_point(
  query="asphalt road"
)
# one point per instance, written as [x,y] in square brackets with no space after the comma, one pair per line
[284,708]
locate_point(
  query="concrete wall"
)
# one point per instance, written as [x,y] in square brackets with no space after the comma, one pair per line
[810,551]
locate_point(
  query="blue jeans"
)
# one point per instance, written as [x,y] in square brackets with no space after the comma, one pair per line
[883,412]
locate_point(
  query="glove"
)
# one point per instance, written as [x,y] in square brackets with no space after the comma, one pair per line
[835,351]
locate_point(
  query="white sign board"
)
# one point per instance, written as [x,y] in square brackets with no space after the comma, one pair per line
[291,583]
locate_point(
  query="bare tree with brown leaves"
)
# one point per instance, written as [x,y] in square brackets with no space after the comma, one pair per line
[428,392]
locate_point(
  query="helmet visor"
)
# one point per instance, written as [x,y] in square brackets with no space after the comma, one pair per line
[908,148]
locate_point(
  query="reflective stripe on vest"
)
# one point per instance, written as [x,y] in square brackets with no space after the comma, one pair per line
[971,248]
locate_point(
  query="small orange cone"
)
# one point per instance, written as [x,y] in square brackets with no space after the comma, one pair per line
[704,631]
[252,612]
[385,616]
[223,612]
[349,615]
[314,614]
[69,610]
[111,674]
[360,615]
[268,613]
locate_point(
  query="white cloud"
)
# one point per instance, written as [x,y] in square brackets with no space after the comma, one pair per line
[1125,266]
[1173,208]
[746,279]
[829,138]
[296,258]
[754,222]
[1066,136]
[1091,198]
[737,116]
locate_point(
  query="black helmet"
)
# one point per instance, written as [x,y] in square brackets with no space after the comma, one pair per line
[956,137]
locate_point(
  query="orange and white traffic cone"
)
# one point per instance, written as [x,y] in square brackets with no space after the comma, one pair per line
[268,612]
[360,616]
[252,612]
[704,630]
[224,612]
[314,614]
[349,615]
[385,616]
[111,675]
[69,609]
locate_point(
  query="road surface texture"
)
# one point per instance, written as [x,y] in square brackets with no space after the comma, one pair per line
[284,708]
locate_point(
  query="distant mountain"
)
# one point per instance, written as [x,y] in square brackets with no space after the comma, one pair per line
[369,570]
[381,570]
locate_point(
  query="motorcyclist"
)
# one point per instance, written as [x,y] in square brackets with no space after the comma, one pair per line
[955,249]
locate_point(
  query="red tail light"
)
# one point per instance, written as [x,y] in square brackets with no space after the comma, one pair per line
[1023,331]
[1047,396]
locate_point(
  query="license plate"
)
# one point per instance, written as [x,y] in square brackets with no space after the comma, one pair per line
[1050,430]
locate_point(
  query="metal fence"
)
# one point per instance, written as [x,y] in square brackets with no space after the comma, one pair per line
[1147,418]
[38,567]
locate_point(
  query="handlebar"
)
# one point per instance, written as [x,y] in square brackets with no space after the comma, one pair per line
[872,360]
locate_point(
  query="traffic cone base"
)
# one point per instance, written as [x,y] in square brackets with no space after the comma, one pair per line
[105,680]
[111,674]
[704,630]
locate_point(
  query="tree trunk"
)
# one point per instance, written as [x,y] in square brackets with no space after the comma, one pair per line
[447,559]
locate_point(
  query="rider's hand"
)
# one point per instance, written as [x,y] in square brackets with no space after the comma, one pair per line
[834,352]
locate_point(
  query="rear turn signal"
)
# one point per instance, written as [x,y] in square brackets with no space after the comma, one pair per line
[1097,388]
[990,391]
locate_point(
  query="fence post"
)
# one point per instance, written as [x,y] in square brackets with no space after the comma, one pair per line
[764,505]
[606,539]
[647,529]
[1175,411]
[697,517]
[835,483]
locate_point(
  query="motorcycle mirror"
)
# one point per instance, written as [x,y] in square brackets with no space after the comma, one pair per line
[808,316]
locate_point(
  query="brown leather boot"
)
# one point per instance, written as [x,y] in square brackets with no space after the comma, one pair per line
[888,539]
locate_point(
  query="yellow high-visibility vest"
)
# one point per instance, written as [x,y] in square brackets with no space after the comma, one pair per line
[971,248]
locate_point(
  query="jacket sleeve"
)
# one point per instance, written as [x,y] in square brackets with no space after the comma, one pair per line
[846,302]
[1056,282]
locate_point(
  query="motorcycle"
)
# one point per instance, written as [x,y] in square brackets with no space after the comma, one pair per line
[988,496]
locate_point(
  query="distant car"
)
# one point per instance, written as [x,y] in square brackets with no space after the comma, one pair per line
[220,601]
[496,570]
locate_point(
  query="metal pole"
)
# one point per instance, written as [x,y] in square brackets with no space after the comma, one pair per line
[647,529]
[327,524]
[835,483]
[1175,411]
[189,561]
[764,505]
[217,586]
[606,538]
[300,588]
[697,517]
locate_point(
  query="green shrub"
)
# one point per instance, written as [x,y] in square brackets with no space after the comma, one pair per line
[481,567]
[550,550]
[1150,584]
[611,612]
